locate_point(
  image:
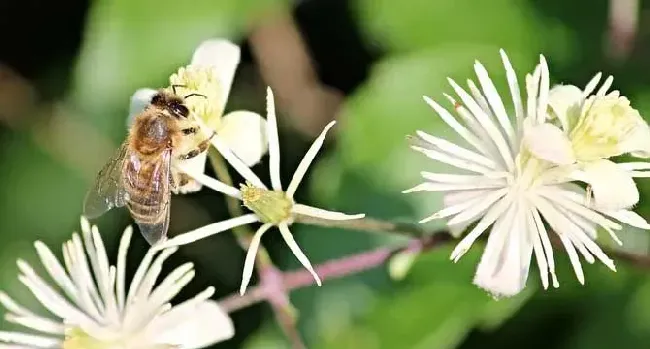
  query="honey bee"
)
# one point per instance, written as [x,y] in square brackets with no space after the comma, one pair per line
[141,176]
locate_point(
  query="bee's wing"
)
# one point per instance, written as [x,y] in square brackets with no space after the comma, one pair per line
[108,191]
[158,199]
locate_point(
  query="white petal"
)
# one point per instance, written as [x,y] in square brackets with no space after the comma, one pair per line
[32,341]
[288,238]
[230,157]
[224,56]
[207,230]
[628,217]
[197,327]
[211,183]
[453,160]
[274,143]
[249,263]
[549,143]
[503,269]
[494,100]
[324,214]
[542,101]
[306,161]
[565,101]
[245,134]
[495,134]
[591,85]
[139,101]
[605,87]
[493,213]
[514,93]
[192,165]
[613,187]
[454,149]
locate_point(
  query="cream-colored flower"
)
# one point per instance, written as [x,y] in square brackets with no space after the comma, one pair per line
[92,309]
[503,188]
[587,129]
[207,79]
[271,207]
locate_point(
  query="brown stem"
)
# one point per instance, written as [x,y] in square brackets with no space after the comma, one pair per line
[333,269]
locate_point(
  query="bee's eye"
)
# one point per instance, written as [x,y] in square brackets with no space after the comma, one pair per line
[179,109]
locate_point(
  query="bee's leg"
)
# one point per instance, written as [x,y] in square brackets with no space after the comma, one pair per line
[203,146]
[190,131]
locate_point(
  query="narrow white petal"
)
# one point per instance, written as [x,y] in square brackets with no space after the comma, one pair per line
[456,150]
[453,160]
[546,243]
[236,162]
[514,92]
[486,202]
[628,217]
[532,90]
[634,166]
[325,214]
[558,227]
[591,85]
[495,101]
[462,179]
[430,186]
[30,340]
[295,249]
[250,256]
[56,270]
[306,161]
[139,101]
[208,230]
[212,183]
[538,248]
[13,307]
[559,197]
[141,271]
[453,209]
[244,132]
[542,101]
[37,323]
[495,135]
[492,214]
[605,87]
[274,143]
[224,56]
[449,119]
[120,288]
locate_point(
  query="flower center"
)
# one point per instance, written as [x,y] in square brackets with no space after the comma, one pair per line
[201,80]
[604,123]
[269,205]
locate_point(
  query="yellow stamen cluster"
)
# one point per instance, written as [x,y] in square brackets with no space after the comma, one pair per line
[604,123]
[270,206]
[201,80]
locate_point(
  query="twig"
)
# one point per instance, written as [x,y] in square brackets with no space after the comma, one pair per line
[334,269]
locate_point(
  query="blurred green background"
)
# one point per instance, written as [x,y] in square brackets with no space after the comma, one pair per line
[67,70]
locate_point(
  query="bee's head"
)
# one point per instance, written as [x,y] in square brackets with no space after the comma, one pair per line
[172,103]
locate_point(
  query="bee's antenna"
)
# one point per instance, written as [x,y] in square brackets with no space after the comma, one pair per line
[175,86]
[195,94]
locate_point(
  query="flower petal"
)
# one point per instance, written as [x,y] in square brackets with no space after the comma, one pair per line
[613,187]
[325,214]
[549,143]
[245,134]
[224,56]
[249,263]
[564,101]
[139,101]
[208,230]
[199,326]
[295,249]
[306,161]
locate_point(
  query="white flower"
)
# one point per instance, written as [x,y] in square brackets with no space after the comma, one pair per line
[210,74]
[94,309]
[507,190]
[590,130]
[274,207]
